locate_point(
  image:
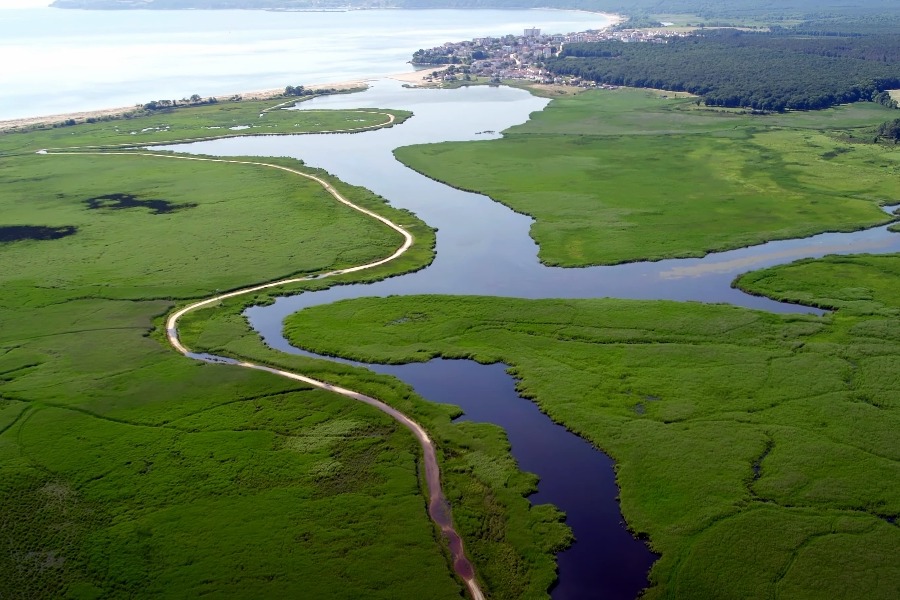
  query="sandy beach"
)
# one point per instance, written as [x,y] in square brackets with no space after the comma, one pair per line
[411,78]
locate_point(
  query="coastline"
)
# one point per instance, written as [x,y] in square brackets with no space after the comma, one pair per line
[413,78]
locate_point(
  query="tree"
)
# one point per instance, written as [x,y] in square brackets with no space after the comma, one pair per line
[889,131]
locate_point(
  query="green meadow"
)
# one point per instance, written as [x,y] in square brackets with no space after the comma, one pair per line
[127,470]
[757,452]
[625,175]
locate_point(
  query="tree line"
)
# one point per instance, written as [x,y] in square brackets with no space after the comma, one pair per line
[763,71]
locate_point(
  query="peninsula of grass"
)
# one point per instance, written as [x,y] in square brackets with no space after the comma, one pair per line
[757,452]
[127,470]
[614,176]
[204,121]
[863,283]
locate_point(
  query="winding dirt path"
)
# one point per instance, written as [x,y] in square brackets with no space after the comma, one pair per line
[438,507]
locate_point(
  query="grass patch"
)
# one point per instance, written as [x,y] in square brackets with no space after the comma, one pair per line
[865,284]
[619,176]
[138,252]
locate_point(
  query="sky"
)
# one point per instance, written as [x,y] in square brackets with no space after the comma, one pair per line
[24,3]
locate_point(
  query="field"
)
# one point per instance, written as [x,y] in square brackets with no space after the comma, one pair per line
[624,175]
[758,452]
[127,470]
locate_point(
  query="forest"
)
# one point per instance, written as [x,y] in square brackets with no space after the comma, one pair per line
[767,71]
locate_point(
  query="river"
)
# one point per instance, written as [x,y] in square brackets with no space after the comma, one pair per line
[484,248]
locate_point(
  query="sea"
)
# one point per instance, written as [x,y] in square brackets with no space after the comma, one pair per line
[55,61]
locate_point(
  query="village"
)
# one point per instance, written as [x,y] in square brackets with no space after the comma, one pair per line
[522,56]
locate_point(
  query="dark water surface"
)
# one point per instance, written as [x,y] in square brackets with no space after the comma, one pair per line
[484,248]
[606,561]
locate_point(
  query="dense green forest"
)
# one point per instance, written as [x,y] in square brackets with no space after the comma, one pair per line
[765,71]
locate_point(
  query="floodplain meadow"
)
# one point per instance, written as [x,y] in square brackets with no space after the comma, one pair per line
[613,176]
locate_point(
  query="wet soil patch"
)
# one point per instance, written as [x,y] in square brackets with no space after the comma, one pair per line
[20,233]
[156,206]
[757,464]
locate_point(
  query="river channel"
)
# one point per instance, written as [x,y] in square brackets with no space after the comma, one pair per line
[484,248]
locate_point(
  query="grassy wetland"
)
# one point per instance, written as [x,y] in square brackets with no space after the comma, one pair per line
[624,175]
[758,452]
[741,438]
[127,470]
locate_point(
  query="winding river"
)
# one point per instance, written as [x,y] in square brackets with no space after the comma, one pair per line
[484,248]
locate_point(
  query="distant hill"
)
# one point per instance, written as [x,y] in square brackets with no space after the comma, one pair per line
[775,9]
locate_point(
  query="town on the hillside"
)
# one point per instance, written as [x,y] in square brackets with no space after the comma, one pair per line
[522,56]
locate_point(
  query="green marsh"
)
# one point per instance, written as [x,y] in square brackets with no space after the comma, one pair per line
[128,470]
[626,175]
[758,452]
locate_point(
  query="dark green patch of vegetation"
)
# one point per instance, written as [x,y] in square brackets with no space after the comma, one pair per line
[624,175]
[123,201]
[194,100]
[18,233]
[763,71]
[766,463]
[889,131]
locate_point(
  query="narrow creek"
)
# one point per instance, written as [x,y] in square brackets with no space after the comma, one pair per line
[484,248]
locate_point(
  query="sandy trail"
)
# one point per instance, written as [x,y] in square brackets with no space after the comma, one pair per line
[438,506]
